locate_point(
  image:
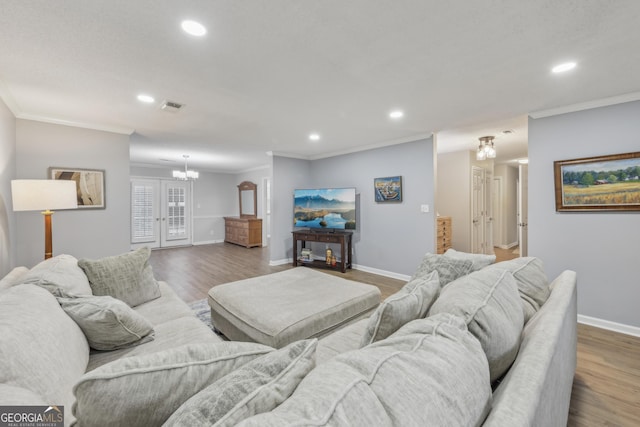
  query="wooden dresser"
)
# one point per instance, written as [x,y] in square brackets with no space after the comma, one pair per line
[443,240]
[243,231]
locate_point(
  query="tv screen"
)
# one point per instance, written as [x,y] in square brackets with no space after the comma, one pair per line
[325,208]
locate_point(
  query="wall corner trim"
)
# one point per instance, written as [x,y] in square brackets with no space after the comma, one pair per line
[604,102]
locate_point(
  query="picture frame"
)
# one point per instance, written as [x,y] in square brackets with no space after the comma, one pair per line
[90,185]
[603,183]
[388,189]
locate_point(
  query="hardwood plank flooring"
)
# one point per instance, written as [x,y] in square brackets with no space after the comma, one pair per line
[606,387]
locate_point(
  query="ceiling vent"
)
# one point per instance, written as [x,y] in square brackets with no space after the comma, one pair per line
[171,106]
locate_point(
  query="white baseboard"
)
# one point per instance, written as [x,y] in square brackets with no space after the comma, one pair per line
[611,326]
[280,262]
[379,272]
[207,242]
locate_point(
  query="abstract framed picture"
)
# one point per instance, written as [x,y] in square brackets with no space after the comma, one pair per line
[89,185]
[388,189]
[604,183]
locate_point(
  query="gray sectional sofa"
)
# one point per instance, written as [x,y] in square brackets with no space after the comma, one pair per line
[465,342]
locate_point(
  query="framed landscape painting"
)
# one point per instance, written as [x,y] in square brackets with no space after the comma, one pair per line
[605,183]
[89,185]
[388,189]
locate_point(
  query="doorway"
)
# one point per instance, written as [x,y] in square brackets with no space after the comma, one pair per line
[160,213]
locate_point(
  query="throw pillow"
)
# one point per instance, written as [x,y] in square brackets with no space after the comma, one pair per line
[409,303]
[108,323]
[449,269]
[145,390]
[14,277]
[489,302]
[479,260]
[257,387]
[532,281]
[436,376]
[127,277]
[60,272]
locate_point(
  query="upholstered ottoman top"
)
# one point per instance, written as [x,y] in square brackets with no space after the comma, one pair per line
[284,307]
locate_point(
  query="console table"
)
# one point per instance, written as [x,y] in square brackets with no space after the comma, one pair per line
[343,238]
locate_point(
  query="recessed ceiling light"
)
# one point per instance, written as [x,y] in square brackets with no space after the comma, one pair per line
[314,137]
[396,114]
[194,28]
[561,68]
[148,99]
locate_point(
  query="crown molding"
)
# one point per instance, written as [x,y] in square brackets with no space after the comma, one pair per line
[604,102]
[92,126]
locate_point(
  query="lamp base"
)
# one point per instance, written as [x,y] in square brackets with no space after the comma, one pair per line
[48,241]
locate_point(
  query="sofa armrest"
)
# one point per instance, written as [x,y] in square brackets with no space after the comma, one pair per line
[537,389]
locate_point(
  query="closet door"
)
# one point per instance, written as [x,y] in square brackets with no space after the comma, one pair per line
[477,210]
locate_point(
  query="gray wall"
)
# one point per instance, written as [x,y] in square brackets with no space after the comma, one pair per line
[288,174]
[7,173]
[82,233]
[390,237]
[601,247]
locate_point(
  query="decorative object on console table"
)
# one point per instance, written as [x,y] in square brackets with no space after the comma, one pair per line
[443,234]
[604,183]
[43,195]
[388,189]
[89,185]
[343,238]
[245,232]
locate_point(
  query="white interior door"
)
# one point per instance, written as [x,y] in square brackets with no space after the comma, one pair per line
[477,209]
[176,214]
[160,213]
[523,187]
[497,202]
[145,213]
[488,212]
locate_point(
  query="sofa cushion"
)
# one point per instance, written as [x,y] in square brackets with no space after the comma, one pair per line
[13,278]
[60,272]
[145,390]
[108,323]
[257,387]
[449,269]
[127,277]
[479,260]
[18,396]
[41,348]
[438,376]
[489,302]
[532,282]
[409,303]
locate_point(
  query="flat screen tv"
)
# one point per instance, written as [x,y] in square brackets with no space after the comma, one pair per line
[325,208]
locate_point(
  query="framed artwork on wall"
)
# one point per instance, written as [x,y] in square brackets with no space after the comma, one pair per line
[388,189]
[604,183]
[89,185]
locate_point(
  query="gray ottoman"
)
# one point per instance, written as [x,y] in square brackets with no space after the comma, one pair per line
[280,308]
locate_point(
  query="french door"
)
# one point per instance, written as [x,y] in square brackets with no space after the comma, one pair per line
[160,213]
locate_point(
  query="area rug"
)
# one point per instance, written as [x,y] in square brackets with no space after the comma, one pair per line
[203,312]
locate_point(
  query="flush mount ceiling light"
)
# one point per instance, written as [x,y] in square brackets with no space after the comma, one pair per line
[485,149]
[194,28]
[147,99]
[396,114]
[561,68]
[314,137]
[186,174]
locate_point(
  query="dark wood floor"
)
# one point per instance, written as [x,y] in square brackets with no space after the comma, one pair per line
[606,388]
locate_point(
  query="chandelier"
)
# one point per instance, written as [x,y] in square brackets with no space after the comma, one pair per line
[485,149]
[186,174]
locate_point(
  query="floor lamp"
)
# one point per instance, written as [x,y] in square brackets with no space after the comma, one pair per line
[44,195]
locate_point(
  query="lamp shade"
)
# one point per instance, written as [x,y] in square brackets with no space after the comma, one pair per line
[43,194]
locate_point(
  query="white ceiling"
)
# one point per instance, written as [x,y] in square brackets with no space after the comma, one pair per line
[268,73]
